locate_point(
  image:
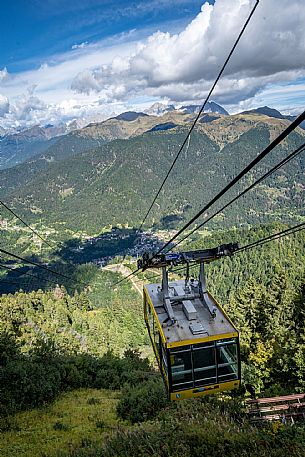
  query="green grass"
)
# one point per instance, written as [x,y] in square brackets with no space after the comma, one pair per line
[75,418]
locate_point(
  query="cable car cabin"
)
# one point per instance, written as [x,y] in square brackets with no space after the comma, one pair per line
[195,343]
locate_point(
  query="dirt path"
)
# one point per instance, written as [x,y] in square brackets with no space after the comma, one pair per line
[125,271]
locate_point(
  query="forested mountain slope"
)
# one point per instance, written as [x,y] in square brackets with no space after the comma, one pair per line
[115,183]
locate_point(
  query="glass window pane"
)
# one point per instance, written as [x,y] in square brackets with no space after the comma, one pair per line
[164,358]
[180,349]
[181,367]
[204,345]
[227,353]
[156,337]
[204,361]
[225,342]
[204,358]
[227,373]
[227,360]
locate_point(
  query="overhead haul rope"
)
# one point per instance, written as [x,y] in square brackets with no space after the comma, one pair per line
[40,266]
[262,241]
[14,270]
[14,282]
[252,164]
[26,224]
[237,178]
[199,113]
[193,126]
[266,175]
[275,236]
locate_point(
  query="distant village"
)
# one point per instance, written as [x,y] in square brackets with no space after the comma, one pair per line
[145,241]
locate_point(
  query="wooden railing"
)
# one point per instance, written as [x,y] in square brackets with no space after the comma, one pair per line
[288,407]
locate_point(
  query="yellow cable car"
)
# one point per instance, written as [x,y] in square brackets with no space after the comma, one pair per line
[195,343]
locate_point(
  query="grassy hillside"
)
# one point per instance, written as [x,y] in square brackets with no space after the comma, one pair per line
[76,419]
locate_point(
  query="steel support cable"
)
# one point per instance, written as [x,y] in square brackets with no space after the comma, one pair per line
[40,266]
[262,241]
[133,273]
[237,178]
[26,224]
[266,175]
[274,236]
[14,270]
[200,112]
[14,282]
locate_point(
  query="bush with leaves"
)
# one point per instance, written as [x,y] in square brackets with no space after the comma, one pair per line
[33,379]
[143,401]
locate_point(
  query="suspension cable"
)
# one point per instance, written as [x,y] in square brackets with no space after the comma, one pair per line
[266,175]
[26,224]
[199,113]
[39,266]
[274,236]
[237,178]
[14,270]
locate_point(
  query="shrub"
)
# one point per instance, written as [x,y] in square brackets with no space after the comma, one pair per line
[60,427]
[142,402]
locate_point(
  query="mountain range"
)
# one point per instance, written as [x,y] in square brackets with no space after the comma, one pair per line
[19,146]
[107,173]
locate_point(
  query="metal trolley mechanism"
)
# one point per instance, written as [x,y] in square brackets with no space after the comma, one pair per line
[195,343]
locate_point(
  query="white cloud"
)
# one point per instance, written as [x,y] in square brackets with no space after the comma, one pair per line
[133,69]
[4,76]
[182,66]
[4,105]
[84,82]
[81,45]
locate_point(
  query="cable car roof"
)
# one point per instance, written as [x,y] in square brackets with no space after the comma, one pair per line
[193,318]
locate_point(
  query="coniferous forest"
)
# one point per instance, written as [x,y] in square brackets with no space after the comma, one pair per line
[55,341]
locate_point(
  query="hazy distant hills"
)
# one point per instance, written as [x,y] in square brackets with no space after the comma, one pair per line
[18,146]
[116,181]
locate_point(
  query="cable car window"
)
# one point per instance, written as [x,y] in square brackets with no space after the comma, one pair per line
[181,367]
[227,360]
[204,345]
[204,363]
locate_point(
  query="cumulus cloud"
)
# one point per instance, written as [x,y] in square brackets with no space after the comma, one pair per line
[27,105]
[4,105]
[134,69]
[4,75]
[182,66]
[85,82]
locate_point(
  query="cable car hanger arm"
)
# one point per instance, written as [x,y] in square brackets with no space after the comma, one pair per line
[149,260]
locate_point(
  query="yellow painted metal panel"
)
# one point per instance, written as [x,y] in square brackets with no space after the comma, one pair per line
[208,390]
[202,340]
[155,315]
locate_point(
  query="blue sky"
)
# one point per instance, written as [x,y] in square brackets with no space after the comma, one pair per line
[35,30]
[88,59]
